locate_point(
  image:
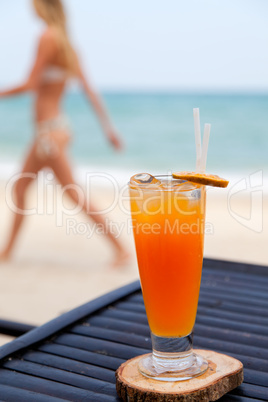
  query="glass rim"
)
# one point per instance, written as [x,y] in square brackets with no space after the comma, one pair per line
[148,187]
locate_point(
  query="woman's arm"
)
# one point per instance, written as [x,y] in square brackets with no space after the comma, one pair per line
[46,50]
[14,91]
[100,110]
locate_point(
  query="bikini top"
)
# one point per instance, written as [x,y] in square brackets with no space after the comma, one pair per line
[55,74]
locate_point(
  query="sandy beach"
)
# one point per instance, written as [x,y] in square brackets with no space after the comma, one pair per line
[56,266]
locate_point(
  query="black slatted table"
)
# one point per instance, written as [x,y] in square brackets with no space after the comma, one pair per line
[74,357]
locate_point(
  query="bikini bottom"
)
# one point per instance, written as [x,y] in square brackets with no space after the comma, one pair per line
[47,146]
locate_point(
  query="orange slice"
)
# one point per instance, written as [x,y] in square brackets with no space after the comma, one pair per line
[202,178]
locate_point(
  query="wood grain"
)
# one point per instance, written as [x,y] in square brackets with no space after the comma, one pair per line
[224,374]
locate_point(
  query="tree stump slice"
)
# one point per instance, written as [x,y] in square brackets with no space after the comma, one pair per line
[224,373]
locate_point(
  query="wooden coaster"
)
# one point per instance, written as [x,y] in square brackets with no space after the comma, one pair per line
[224,373]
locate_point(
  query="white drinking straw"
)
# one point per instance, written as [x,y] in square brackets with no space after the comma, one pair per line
[204,152]
[197,132]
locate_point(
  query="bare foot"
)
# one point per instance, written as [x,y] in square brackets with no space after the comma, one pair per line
[4,256]
[121,259]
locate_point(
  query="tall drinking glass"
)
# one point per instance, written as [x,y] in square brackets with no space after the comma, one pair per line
[168,218]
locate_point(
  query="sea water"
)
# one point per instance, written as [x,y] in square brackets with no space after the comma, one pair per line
[157,131]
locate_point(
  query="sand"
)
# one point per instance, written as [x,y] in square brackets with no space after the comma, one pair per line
[56,267]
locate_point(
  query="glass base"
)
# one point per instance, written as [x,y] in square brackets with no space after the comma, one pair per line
[172,360]
[175,372]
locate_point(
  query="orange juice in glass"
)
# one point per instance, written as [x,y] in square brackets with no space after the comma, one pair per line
[168,218]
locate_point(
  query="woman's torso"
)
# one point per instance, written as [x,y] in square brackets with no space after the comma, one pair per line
[48,100]
[51,88]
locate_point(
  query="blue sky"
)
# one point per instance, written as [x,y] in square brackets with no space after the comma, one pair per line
[206,45]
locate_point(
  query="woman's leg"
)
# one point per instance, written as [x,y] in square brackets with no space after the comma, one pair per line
[29,172]
[63,172]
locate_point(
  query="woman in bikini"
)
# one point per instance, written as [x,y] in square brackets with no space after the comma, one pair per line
[56,61]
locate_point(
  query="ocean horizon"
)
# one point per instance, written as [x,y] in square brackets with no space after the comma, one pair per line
[157,130]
